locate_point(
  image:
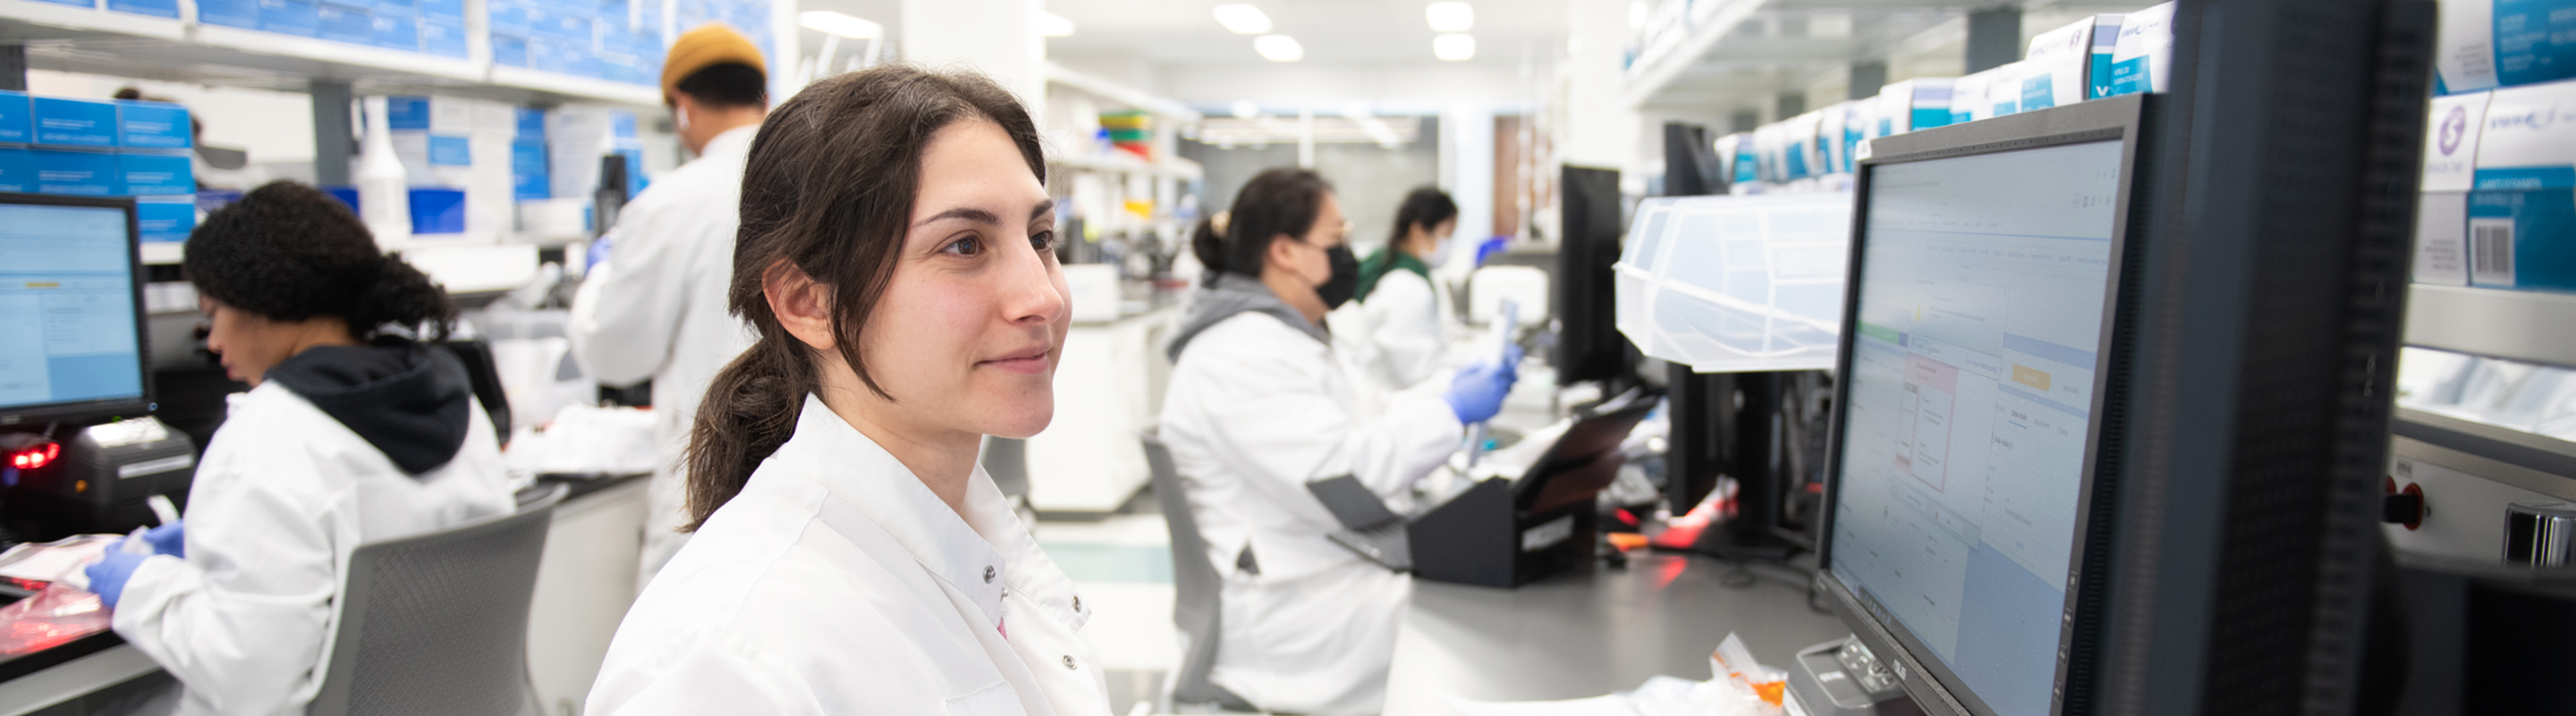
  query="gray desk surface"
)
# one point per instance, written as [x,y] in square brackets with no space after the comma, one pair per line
[1587,634]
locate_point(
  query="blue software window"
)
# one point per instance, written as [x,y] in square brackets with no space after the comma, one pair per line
[69,284]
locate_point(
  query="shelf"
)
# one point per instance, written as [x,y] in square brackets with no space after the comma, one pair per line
[1744,54]
[1172,168]
[103,42]
[163,252]
[1170,109]
[2518,325]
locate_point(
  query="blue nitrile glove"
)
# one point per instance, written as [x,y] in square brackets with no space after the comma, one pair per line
[598,253]
[107,575]
[1477,393]
[169,539]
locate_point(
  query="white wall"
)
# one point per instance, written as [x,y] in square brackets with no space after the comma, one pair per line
[1600,128]
[273,126]
[996,37]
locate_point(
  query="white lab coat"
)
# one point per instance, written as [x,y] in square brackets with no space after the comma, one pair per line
[1256,409]
[1409,330]
[658,312]
[283,495]
[836,583]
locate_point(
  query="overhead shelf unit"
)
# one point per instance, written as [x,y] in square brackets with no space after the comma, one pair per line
[1721,55]
[2525,326]
[104,42]
[1138,201]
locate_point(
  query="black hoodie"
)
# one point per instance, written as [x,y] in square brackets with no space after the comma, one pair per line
[411,402]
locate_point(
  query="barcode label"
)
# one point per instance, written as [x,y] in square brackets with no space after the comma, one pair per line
[2491,252]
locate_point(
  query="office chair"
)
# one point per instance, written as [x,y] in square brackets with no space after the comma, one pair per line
[438,623]
[1196,590]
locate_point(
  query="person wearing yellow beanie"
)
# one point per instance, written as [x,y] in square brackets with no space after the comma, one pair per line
[655,309]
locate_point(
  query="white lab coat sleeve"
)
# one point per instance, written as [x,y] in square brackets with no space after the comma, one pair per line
[1275,409]
[716,674]
[634,316]
[1407,330]
[241,621]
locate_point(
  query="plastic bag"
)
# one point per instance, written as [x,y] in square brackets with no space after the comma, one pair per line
[1733,666]
[53,617]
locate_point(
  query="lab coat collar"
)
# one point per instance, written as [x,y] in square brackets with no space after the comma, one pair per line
[732,142]
[981,553]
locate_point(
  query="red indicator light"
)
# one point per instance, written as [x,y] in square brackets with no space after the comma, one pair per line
[36,457]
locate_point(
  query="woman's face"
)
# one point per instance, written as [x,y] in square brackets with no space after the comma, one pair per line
[1309,255]
[248,343]
[966,335]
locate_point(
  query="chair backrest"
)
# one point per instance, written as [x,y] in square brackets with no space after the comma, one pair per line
[438,623]
[1196,586]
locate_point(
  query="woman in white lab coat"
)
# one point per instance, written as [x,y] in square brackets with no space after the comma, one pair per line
[1410,318]
[897,261]
[1259,404]
[348,436]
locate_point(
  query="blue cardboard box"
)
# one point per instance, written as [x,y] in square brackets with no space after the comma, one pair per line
[156,174]
[153,125]
[437,211]
[508,17]
[14,125]
[442,37]
[229,13]
[562,57]
[77,173]
[532,123]
[17,170]
[443,10]
[73,3]
[66,122]
[155,8]
[529,178]
[509,51]
[340,24]
[556,24]
[394,32]
[301,18]
[165,218]
[395,8]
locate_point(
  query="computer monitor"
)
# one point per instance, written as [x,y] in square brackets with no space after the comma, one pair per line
[1979,324]
[1588,344]
[71,309]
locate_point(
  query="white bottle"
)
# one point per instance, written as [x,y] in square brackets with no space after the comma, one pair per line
[384,189]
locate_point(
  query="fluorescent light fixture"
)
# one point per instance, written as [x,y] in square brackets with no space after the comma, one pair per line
[1245,109]
[1054,25]
[1278,48]
[1243,19]
[1453,47]
[1450,16]
[839,24]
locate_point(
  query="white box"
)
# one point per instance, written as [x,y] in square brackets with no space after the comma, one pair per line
[2450,168]
[2522,207]
[1915,104]
[1968,101]
[2487,44]
[2062,62]
[2143,56]
[1801,151]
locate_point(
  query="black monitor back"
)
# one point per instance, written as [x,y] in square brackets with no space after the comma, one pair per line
[1588,344]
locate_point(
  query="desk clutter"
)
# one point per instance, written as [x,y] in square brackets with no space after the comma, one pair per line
[1737,686]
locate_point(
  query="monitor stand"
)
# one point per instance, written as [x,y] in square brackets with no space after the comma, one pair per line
[1731,541]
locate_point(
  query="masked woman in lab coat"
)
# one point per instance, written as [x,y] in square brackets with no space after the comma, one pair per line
[348,435]
[897,260]
[1410,317]
[1259,404]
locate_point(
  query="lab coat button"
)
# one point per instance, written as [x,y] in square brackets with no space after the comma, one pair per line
[1068,661]
[989,572]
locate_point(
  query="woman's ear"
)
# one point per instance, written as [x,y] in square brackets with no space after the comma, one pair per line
[1281,255]
[803,305]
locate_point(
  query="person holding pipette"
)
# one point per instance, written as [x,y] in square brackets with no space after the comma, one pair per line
[1411,317]
[352,432]
[1259,404]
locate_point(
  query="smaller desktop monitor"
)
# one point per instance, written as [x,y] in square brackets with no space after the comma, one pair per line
[1967,443]
[1589,346]
[71,310]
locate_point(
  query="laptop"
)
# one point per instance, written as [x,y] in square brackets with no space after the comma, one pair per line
[1368,527]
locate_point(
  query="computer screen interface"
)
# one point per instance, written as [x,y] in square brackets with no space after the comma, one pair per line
[67,307]
[1979,329]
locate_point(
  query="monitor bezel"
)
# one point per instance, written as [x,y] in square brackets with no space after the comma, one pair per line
[2112,119]
[81,410]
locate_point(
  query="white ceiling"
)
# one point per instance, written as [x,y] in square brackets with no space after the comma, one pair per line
[1167,32]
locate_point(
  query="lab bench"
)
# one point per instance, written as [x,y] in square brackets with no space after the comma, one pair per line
[585,582]
[1596,630]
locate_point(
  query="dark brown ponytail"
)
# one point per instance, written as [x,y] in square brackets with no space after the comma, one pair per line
[828,188]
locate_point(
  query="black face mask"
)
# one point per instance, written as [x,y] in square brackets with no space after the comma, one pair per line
[1345,280]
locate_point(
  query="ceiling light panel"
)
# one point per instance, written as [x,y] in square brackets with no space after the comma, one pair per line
[1450,16]
[1243,19]
[839,24]
[1278,48]
[1454,48]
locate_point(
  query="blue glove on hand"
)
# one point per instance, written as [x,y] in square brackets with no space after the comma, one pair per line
[1477,393]
[107,575]
[169,539]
